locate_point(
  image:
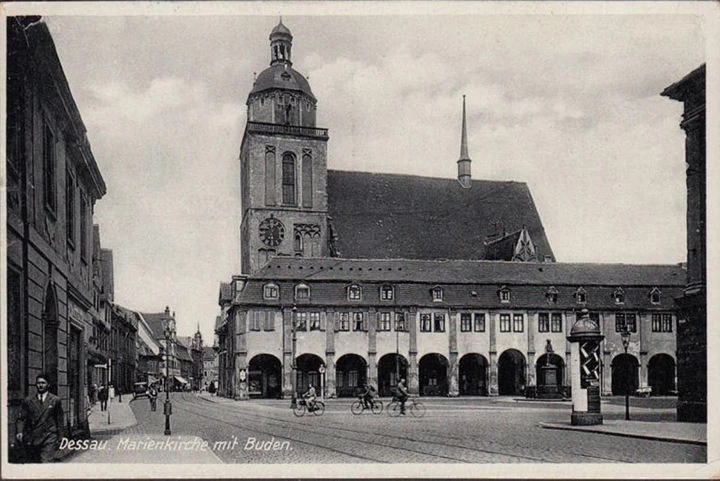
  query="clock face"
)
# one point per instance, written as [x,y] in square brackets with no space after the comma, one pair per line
[272,232]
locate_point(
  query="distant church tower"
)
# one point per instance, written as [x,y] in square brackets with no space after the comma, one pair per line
[283,165]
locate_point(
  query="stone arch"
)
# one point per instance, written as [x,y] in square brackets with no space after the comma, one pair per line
[51,324]
[625,369]
[350,374]
[433,373]
[473,375]
[390,366]
[265,376]
[550,372]
[511,373]
[661,374]
[308,372]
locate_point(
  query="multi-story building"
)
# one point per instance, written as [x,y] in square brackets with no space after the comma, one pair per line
[53,182]
[346,275]
[210,367]
[149,354]
[692,327]
[170,365]
[123,348]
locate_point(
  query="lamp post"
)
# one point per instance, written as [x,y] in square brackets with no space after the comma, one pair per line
[169,332]
[293,395]
[321,370]
[625,335]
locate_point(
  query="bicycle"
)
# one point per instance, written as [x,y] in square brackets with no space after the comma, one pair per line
[358,406]
[416,408]
[301,407]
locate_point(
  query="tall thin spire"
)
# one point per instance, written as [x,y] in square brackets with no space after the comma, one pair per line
[464,161]
[463,141]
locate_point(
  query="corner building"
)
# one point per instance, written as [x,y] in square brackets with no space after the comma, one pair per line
[358,277]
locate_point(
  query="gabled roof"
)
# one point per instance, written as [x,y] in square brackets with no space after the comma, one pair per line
[209,353]
[396,216]
[183,353]
[154,321]
[225,292]
[469,272]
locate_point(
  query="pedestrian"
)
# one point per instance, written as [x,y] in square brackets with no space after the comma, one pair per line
[40,423]
[103,397]
[402,395]
[152,395]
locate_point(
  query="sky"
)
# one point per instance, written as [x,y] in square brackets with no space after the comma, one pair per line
[569,104]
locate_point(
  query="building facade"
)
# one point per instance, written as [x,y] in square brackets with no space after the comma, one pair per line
[692,328]
[123,348]
[346,277]
[53,183]
[452,327]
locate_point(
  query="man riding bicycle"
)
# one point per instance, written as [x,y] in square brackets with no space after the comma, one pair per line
[310,397]
[368,395]
[402,394]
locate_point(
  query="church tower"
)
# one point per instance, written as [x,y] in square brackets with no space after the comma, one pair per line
[283,165]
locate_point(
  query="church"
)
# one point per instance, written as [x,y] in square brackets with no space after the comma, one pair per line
[356,277]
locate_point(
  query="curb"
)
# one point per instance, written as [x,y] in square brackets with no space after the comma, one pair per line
[621,434]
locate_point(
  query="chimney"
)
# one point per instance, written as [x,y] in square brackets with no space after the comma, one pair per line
[464,161]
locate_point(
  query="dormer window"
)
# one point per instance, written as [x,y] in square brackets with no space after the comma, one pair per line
[580,296]
[387,293]
[619,296]
[504,294]
[354,293]
[271,291]
[302,292]
[437,294]
[552,295]
[655,296]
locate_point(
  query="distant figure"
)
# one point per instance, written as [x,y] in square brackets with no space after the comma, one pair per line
[310,397]
[402,395]
[103,395]
[40,423]
[152,396]
[211,387]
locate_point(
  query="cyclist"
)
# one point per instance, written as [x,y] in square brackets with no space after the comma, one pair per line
[402,394]
[368,395]
[310,397]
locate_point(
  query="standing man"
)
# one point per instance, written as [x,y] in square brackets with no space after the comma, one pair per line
[40,423]
[103,396]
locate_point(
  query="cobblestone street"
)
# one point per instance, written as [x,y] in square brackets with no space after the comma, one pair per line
[467,430]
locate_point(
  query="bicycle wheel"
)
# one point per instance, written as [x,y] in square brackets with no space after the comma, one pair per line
[377,407]
[356,407]
[319,408]
[394,409]
[417,409]
[299,410]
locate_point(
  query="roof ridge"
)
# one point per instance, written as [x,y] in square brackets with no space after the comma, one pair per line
[401,174]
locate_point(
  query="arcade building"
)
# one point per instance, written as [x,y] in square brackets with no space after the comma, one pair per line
[355,277]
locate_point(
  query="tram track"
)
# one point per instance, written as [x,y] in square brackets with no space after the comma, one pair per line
[439,438]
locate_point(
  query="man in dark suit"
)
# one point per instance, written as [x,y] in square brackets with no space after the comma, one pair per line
[40,423]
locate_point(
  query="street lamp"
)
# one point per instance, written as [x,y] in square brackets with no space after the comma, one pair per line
[625,335]
[293,396]
[169,332]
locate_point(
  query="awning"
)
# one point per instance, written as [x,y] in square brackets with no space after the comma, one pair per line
[181,380]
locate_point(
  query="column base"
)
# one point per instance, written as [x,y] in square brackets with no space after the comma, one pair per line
[585,419]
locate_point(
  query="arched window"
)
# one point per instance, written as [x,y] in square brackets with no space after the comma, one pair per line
[270,175]
[288,179]
[552,295]
[302,292]
[354,292]
[437,294]
[580,296]
[619,295]
[307,180]
[655,296]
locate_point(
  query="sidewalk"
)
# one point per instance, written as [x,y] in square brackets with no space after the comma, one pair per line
[121,417]
[111,445]
[688,433]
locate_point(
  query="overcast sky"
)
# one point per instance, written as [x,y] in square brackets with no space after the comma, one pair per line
[568,104]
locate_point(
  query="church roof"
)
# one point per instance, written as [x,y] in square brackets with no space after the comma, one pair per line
[283,77]
[394,216]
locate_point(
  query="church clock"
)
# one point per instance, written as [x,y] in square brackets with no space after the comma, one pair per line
[271,232]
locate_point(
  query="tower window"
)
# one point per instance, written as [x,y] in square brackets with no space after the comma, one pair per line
[288,179]
[307,180]
[270,181]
